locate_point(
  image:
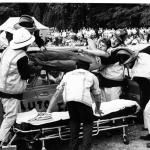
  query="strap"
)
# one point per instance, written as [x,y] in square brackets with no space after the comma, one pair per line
[128,72]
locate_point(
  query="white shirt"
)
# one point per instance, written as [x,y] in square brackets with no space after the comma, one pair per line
[78,86]
[141,67]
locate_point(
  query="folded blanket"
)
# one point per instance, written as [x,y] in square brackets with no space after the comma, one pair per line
[38,118]
[26,116]
[116,105]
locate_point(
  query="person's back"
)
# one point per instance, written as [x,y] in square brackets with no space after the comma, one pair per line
[78,85]
[11,81]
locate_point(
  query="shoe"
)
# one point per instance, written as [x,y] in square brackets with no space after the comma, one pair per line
[146,137]
[144,129]
[148,145]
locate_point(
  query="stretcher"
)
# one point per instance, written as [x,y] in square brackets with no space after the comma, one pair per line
[56,125]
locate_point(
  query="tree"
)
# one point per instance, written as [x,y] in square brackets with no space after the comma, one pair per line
[78,15]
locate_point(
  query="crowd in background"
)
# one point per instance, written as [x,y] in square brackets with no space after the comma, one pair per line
[70,38]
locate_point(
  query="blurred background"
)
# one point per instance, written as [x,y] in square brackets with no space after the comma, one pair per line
[78,15]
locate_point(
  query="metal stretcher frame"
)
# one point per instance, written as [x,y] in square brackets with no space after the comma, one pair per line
[63,132]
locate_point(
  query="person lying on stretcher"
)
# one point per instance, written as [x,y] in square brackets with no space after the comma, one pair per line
[109,72]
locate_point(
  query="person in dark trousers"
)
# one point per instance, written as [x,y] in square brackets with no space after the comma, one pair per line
[78,86]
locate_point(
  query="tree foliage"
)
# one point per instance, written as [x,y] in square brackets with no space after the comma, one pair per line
[77,15]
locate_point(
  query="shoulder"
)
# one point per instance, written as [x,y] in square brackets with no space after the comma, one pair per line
[92,75]
[67,74]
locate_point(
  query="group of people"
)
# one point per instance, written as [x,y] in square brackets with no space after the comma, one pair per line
[113,73]
[70,38]
[104,82]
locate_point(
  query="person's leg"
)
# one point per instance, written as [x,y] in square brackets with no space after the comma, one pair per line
[74,134]
[87,136]
[144,86]
[113,93]
[11,109]
[74,125]
[1,112]
[104,82]
[86,115]
[146,115]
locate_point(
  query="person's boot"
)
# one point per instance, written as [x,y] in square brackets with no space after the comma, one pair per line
[146,137]
[144,129]
[148,145]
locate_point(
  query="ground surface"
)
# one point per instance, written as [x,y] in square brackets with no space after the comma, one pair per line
[115,142]
[106,141]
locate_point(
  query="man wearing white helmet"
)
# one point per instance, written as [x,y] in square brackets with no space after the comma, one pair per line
[14,72]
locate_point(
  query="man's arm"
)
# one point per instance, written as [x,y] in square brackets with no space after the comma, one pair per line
[23,68]
[38,40]
[96,52]
[92,50]
[96,91]
[98,104]
[54,99]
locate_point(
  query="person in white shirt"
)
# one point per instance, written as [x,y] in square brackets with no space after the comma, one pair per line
[78,86]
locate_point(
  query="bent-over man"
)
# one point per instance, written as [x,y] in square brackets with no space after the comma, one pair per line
[78,86]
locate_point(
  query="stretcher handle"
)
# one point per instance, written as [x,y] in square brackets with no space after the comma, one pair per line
[37,135]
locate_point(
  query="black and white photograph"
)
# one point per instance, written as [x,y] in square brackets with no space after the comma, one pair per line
[74,75]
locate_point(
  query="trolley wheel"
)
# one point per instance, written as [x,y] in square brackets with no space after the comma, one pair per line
[125,140]
[30,146]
